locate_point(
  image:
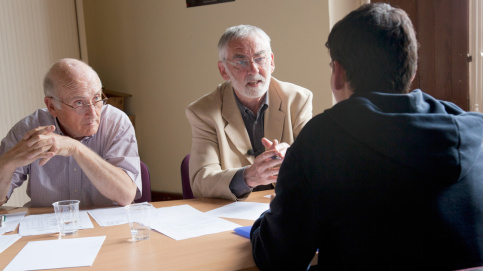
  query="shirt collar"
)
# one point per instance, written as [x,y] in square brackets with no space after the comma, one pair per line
[60,132]
[244,109]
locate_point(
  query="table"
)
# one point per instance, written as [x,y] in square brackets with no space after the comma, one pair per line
[220,251]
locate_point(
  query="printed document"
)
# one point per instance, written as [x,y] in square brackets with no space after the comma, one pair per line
[47,223]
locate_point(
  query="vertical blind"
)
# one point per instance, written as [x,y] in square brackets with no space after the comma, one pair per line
[33,35]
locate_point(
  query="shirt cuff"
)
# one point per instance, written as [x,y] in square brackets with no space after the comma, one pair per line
[238,186]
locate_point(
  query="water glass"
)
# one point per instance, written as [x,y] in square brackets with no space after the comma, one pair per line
[139,220]
[67,213]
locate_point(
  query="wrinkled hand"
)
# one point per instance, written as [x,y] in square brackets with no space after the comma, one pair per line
[34,145]
[61,145]
[266,166]
[281,148]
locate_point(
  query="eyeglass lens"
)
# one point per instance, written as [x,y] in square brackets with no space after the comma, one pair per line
[244,64]
[86,107]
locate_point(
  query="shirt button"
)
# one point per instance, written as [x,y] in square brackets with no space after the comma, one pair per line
[75,169]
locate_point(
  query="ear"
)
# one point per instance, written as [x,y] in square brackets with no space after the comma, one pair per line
[340,78]
[51,106]
[414,75]
[272,64]
[223,72]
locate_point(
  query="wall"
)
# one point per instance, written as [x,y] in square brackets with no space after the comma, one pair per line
[164,54]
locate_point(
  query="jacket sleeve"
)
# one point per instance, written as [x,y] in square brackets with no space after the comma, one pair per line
[207,177]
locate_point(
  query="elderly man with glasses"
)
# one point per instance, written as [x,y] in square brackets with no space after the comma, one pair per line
[76,148]
[242,129]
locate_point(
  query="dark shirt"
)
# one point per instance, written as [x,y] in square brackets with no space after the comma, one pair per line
[255,126]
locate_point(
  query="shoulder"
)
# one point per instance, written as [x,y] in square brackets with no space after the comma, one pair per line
[114,117]
[210,102]
[41,117]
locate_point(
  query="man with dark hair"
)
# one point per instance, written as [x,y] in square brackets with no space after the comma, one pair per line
[386,179]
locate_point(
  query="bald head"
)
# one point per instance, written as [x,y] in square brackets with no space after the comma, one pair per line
[67,76]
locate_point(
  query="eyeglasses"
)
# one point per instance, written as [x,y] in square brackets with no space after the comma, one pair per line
[245,63]
[83,108]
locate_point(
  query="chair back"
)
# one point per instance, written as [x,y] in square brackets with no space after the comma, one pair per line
[146,181]
[185,178]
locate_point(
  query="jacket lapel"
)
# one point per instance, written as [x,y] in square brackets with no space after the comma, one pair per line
[235,128]
[274,117]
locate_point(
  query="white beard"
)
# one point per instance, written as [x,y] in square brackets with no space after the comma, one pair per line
[252,92]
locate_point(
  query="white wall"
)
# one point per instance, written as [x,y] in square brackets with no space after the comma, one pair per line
[164,54]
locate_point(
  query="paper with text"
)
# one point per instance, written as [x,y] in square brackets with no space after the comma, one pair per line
[47,223]
[110,216]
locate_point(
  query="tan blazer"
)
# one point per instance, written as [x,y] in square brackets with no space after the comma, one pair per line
[220,140]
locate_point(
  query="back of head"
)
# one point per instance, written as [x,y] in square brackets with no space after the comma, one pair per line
[240,32]
[376,44]
[67,76]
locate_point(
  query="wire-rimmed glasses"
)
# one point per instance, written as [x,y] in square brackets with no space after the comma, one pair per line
[83,108]
[245,63]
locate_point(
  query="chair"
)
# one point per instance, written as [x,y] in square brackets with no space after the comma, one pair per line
[185,178]
[146,184]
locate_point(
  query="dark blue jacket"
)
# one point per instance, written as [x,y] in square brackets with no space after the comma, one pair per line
[379,181]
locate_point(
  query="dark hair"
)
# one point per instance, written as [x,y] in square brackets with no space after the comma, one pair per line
[376,44]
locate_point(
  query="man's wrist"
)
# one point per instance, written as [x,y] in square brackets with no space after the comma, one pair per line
[6,166]
[248,178]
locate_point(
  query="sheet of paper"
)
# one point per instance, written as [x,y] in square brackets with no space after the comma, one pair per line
[47,223]
[61,253]
[11,222]
[8,240]
[240,210]
[110,216]
[182,222]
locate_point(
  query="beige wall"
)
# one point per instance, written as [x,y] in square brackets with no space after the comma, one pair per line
[164,54]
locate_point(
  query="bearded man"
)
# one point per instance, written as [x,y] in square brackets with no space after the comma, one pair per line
[241,130]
